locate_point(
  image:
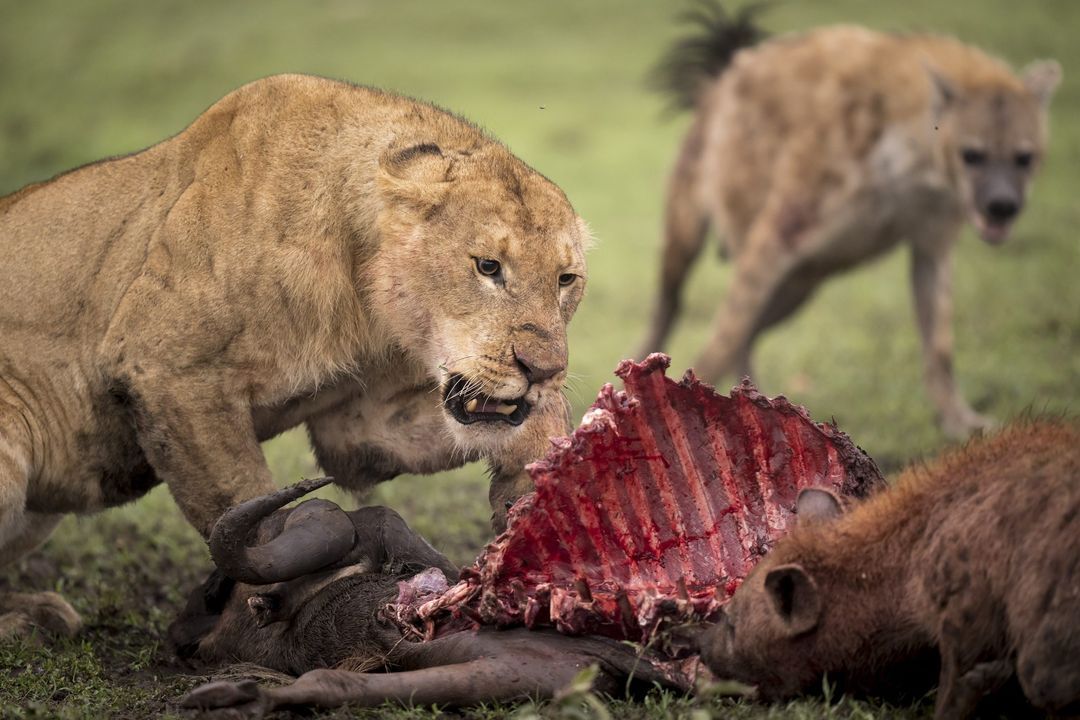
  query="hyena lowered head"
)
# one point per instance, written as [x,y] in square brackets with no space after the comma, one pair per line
[993,138]
[974,558]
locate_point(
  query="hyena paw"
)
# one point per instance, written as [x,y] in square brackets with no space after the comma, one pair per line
[962,423]
[46,611]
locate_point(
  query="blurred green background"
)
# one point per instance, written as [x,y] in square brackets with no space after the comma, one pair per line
[562,83]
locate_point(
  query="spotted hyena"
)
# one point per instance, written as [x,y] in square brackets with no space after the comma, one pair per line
[814,152]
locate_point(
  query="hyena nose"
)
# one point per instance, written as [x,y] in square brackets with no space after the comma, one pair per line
[538,369]
[1002,210]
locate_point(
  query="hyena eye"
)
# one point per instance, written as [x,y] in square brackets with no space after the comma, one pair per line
[1024,159]
[486,266]
[973,157]
[567,279]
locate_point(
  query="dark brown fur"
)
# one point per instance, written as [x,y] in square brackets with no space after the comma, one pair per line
[976,554]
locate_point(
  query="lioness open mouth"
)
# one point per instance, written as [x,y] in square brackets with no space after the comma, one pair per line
[468,408]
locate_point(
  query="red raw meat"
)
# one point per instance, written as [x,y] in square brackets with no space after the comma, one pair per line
[655,509]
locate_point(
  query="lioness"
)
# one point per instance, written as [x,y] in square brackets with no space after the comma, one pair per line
[306,251]
[817,151]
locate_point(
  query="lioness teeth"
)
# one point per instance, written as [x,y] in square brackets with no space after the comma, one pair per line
[476,405]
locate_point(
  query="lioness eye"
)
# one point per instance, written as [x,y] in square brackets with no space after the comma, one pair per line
[488,267]
[973,157]
[567,279]
[1024,159]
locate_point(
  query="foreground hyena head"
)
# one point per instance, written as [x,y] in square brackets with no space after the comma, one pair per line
[994,136]
[774,634]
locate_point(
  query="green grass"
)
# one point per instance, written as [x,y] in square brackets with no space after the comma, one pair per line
[562,83]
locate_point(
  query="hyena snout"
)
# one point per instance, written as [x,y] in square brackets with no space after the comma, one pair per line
[1000,199]
[1002,209]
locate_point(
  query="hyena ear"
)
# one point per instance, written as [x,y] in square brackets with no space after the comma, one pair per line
[944,93]
[1041,78]
[816,504]
[794,597]
[415,176]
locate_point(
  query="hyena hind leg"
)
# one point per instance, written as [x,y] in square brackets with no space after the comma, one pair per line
[685,226]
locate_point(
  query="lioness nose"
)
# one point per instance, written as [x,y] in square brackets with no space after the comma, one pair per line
[1002,209]
[538,369]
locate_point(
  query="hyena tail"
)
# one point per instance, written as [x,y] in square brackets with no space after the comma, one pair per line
[686,221]
[703,54]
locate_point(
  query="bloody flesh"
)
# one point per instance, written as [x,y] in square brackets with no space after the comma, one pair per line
[655,509]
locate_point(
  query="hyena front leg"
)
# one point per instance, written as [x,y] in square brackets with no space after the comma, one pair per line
[931,277]
[21,532]
[754,300]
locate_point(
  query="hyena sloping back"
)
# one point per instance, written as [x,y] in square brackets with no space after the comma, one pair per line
[813,152]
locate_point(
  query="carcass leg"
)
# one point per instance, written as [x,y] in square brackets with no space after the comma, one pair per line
[458,670]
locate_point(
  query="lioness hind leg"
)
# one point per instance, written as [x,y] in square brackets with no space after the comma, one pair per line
[21,532]
[22,613]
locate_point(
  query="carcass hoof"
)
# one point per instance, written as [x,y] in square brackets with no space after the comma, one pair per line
[221,694]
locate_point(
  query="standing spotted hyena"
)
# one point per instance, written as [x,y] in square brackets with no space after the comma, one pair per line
[813,152]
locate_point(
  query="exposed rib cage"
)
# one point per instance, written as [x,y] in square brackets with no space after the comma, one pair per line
[655,508]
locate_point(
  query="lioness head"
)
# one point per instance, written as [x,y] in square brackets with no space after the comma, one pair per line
[480,268]
[995,136]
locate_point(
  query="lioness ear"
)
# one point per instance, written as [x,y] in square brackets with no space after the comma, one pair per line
[817,504]
[794,597]
[416,176]
[1041,78]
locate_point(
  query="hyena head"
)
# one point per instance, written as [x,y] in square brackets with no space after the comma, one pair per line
[995,135]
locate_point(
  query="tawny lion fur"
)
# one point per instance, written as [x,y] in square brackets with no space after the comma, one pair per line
[975,555]
[814,152]
[304,252]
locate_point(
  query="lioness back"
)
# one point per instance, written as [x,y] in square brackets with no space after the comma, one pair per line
[74,243]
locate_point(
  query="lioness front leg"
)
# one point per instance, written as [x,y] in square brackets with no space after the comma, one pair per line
[509,479]
[931,277]
[201,441]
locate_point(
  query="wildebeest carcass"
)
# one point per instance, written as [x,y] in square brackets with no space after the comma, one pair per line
[648,516]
